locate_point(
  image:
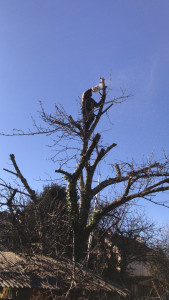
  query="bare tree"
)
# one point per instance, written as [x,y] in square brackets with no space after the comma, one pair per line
[123,236]
[159,266]
[81,148]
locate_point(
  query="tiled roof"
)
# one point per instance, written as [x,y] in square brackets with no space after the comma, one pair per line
[43,272]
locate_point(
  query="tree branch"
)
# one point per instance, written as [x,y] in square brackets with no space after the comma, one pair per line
[108,182]
[118,172]
[67,174]
[13,189]
[122,200]
[10,172]
[9,202]
[76,124]
[101,154]
[23,180]
[86,156]
[143,170]
[115,100]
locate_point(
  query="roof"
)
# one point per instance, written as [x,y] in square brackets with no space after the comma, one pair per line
[37,271]
[133,245]
[149,282]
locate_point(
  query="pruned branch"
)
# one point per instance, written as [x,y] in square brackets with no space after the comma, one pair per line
[23,180]
[127,188]
[67,174]
[101,154]
[118,172]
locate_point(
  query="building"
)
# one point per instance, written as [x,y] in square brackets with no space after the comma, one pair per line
[38,277]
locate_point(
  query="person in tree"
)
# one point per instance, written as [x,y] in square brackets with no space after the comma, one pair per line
[88,106]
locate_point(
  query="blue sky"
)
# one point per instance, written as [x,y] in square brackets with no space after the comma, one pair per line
[54,50]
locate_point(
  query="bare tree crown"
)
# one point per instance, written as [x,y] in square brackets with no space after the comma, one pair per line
[81,138]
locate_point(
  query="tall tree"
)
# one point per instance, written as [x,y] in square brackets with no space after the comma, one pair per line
[131,181]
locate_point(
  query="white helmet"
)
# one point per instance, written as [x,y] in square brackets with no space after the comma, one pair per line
[96,88]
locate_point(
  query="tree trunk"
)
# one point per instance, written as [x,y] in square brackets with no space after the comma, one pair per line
[80,244]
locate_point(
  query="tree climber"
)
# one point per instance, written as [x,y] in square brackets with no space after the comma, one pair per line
[88,105]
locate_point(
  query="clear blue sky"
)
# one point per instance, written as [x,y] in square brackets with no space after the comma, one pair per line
[54,50]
